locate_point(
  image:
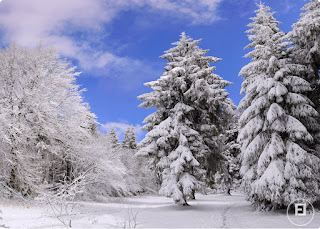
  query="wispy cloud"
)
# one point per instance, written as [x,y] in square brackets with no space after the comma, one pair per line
[79,30]
[198,11]
[55,21]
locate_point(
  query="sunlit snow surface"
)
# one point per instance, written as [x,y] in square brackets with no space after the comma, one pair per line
[210,211]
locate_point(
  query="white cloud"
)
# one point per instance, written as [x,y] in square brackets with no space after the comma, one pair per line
[198,11]
[28,22]
[121,128]
[54,21]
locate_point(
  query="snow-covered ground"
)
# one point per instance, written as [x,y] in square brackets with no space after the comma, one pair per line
[217,211]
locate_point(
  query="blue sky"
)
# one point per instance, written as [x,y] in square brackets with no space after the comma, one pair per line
[116,43]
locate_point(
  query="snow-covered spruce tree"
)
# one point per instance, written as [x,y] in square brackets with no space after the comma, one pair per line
[278,166]
[305,50]
[228,177]
[305,37]
[113,137]
[191,108]
[129,140]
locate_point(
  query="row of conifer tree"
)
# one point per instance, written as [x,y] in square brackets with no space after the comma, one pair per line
[197,134]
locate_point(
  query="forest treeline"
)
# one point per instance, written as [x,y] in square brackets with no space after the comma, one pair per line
[50,142]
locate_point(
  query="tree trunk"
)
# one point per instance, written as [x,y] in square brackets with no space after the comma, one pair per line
[193,195]
[185,201]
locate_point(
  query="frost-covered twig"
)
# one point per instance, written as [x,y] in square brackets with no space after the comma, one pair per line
[4,187]
[129,216]
[130,220]
[62,202]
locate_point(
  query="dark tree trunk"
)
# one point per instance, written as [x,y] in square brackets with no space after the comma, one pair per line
[193,195]
[185,201]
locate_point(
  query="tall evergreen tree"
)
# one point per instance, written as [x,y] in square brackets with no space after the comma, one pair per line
[277,164]
[227,177]
[129,140]
[305,49]
[305,36]
[113,138]
[192,110]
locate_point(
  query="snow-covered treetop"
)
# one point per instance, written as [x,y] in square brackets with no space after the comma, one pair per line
[188,72]
[264,29]
[267,43]
[129,140]
[187,47]
[113,137]
[305,35]
[309,23]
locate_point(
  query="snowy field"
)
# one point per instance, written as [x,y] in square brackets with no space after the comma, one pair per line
[215,211]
